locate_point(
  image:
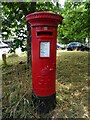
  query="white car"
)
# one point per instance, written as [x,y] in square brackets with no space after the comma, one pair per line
[60,46]
[4,49]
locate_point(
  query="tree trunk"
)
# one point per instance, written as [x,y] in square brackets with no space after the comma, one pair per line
[29,39]
[29,59]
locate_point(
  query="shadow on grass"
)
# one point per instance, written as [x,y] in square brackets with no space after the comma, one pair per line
[72,85]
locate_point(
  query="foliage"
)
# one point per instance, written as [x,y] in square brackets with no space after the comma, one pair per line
[76,25]
[14,21]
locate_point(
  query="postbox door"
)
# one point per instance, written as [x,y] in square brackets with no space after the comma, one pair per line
[44,64]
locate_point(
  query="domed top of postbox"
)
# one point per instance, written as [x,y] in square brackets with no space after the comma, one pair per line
[44,18]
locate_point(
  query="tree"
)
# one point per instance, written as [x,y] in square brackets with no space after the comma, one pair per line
[14,21]
[75,25]
[15,14]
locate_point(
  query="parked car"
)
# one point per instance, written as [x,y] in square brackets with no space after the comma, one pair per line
[6,42]
[60,46]
[78,46]
[4,48]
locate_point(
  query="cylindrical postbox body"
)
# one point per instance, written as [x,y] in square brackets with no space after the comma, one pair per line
[44,35]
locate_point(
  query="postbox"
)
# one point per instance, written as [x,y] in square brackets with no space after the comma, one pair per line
[44,39]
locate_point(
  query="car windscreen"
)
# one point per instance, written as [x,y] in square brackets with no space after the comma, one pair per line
[74,45]
[3,47]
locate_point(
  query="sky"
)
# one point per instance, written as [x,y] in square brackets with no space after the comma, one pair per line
[61,2]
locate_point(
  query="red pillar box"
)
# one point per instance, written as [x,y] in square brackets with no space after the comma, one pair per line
[44,35]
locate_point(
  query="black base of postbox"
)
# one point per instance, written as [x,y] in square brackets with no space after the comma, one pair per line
[42,105]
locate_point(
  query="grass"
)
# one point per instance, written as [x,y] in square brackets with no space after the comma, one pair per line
[71,87]
[72,84]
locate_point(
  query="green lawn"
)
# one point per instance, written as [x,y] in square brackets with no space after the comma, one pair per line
[71,87]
